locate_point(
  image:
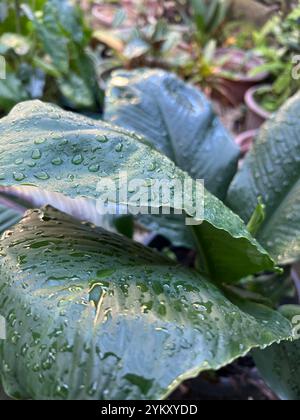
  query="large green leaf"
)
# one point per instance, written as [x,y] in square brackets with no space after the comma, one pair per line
[280,363]
[91,315]
[272,171]
[63,152]
[178,121]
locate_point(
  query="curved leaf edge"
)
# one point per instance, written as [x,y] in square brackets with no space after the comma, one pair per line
[196,372]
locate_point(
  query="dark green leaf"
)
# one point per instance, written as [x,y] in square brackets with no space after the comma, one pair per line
[11,92]
[272,171]
[280,363]
[171,227]
[67,153]
[91,315]
[76,92]
[178,121]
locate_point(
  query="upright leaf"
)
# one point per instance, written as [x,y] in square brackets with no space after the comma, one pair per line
[91,315]
[272,171]
[63,37]
[178,121]
[20,199]
[58,151]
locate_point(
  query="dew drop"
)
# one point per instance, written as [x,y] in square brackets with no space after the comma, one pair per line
[19,176]
[94,168]
[36,154]
[102,139]
[56,161]
[77,160]
[119,147]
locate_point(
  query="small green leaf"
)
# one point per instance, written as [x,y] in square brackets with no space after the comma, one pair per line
[228,249]
[178,121]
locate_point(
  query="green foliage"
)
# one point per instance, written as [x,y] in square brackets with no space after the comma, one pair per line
[146,103]
[50,59]
[149,45]
[92,296]
[278,43]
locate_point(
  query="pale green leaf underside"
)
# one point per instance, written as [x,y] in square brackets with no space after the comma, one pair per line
[91,315]
[272,171]
[63,152]
[280,363]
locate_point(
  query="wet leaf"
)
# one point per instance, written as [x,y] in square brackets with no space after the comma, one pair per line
[64,39]
[83,303]
[272,171]
[178,121]
[40,145]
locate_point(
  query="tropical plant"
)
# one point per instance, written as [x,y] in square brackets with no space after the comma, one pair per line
[94,315]
[45,44]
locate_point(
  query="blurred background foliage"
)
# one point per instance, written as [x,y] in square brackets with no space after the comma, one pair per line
[63,51]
